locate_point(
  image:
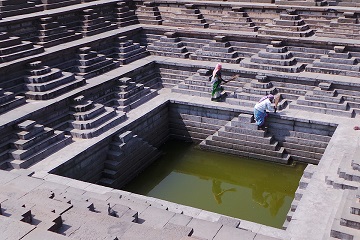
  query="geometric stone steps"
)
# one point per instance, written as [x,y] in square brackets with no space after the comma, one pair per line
[9,101]
[55,87]
[100,126]
[322,107]
[18,7]
[126,162]
[136,100]
[43,82]
[51,33]
[250,147]
[346,224]
[126,51]
[303,183]
[125,16]
[330,69]
[196,128]
[86,123]
[148,14]
[169,45]
[248,63]
[92,23]
[59,3]
[172,77]
[33,143]
[337,61]
[20,51]
[289,24]
[291,91]
[12,46]
[193,18]
[219,50]
[89,63]
[39,154]
[131,95]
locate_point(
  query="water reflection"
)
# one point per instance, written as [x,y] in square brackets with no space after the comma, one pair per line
[252,190]
[218,191]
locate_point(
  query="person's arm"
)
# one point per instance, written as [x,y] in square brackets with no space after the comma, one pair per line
[269,107]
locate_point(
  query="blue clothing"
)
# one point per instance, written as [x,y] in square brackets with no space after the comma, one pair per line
[259,117]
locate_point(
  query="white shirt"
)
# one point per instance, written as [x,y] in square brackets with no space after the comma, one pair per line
[264,105]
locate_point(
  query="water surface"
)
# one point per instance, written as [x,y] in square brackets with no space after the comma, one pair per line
[244,188]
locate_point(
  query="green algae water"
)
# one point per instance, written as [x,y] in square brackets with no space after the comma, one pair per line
[244,188]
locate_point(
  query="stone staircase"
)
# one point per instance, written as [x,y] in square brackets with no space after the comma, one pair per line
[324,99]
[303,2]
[51,33]
[349,174]
[190,17]
[198,85]
[247,49]
[218,50]
[187,125]
[13,48]
[130,95]
[149,14]
[237,20]
[33,142]
[170,77]
[346,224]
[241,137]
[89,63]
[276,58]
[90,119]
[47,4]
[169,45]
[288,25]
[251,92]
[43,82]
[124,15]
[346,26]
[126,51]
[123,162]
[304,181]
[305,147]
[18,7]
[338,62]
[92,23]
[9,101]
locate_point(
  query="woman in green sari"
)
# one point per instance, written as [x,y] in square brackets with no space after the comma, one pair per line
[216,81]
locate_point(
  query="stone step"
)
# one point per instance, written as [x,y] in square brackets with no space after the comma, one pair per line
[283,160]
[332,69]
[318,146]
[21,54]
[51,84]
[99,129]
[55,91]
[97,120]
[139,101]
[348,113]
[203,57]
[23,144]
[38,156]
[37,146]
[11,103]
[248,142]
[248,146]
[298,67]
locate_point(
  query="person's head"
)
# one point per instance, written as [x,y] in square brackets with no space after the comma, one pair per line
[218,66]
[270,97]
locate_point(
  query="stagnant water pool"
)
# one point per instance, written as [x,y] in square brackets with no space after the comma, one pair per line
[244,188]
